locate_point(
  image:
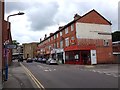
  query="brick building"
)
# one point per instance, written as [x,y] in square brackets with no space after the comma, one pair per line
[7,36]
[1,28]
[85,40]
[29,50]
[116,50]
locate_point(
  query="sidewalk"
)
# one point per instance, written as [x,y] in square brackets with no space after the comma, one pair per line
[0,79]
[17,78]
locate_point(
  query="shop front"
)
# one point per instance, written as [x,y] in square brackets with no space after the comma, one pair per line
[58,55]
[80,55]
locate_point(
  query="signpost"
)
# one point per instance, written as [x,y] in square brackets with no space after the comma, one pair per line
[7,46]
[11,46]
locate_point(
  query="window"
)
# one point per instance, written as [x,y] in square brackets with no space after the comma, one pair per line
[106,43]
[49,47]
[72,38]
[54,36]
[66,30]
[76,56]
[57,44]
[61,33]
[72,27]
[67,41]
[57,35]
[51,38]
[61,44]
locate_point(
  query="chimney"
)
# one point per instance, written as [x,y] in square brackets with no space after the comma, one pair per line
[40,39]
[61,27]
[45,36]
[51,34]
[76,16]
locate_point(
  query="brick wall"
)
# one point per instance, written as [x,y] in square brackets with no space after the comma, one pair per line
[104,53]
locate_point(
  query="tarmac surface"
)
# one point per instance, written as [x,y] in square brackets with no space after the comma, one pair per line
[18,78]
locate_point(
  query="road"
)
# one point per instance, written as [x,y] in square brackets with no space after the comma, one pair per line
[72,76]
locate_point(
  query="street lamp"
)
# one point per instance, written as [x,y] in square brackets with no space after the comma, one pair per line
[20,13]
[6,43]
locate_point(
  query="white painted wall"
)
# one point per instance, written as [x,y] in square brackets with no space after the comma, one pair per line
[90,31]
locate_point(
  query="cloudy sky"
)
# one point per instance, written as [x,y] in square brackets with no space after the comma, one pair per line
[45,16]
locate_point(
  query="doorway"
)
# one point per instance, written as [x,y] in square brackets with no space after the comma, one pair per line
[85,57]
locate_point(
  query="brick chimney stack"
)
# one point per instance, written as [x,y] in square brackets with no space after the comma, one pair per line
[61,27]
[45,36]
[76,16]
[40,39]
[51,34]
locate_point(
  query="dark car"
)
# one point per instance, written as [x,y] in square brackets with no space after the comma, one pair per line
[29,60]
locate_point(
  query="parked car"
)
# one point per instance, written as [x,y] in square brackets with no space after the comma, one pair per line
[39,60]
[43,60]
[35,59]
[29,60]
[51,61]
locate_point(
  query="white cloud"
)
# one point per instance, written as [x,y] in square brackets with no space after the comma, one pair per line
[43,16]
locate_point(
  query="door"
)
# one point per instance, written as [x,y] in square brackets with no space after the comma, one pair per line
[93,57]
[85,57]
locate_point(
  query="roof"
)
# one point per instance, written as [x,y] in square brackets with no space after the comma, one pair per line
[81,17]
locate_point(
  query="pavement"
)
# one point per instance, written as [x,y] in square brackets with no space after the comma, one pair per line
[17,78]
[0,79]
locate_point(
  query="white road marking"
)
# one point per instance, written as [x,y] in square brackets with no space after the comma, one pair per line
[108,74]
[94,71]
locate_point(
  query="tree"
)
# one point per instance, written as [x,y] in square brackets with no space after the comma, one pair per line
[15,42]
[116,36]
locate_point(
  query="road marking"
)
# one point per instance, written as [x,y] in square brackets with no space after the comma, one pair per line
[108,74]
[39,85]
[94,71]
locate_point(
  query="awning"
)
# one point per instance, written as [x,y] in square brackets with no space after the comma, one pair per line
[75,47]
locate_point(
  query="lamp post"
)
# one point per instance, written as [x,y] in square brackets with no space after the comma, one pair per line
[6,44]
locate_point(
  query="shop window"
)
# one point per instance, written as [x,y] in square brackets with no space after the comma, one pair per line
[76,56]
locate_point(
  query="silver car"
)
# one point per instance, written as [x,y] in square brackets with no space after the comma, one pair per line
[51,61]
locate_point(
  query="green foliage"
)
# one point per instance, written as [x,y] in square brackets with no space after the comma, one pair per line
[15,42]
[116,36]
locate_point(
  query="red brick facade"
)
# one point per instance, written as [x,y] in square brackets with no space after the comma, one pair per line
[6,34]
[80,47]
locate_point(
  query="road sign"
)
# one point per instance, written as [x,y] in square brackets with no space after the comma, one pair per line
[11,46]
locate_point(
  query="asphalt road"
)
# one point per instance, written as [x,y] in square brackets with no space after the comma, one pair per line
[72,76]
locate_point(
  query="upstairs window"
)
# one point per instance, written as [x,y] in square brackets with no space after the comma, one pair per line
[72,27]
[54,36]
[66,30]
[61,33]
[67,41]
[106,43]
[61,44]
[57,35]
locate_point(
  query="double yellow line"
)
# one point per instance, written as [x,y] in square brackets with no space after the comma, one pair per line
[39,85]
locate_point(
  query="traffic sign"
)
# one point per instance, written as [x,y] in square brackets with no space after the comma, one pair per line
[11,46]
